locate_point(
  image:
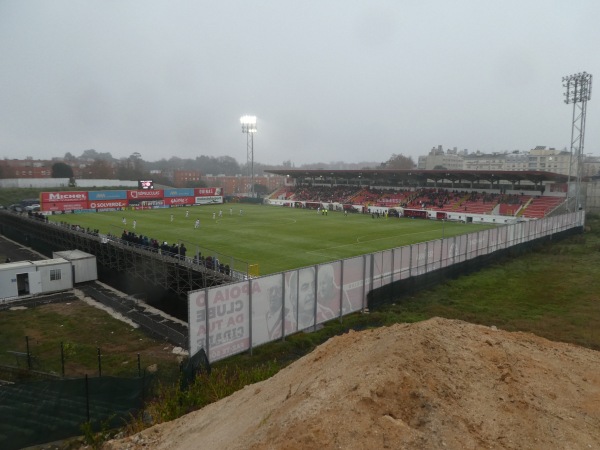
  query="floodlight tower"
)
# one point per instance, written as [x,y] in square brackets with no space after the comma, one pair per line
[249,127]
[579,91]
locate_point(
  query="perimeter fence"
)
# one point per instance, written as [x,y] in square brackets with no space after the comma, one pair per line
[43,411]
[233,318]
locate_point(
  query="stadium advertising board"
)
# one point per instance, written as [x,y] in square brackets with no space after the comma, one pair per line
[208,200]
[332,300]
[66,196]
[175,201]
[382,268]
[146,204]
[207,192]
[107,204]
[146,194]
[221,322]
[354,284]
[107,195]
[63,206]
[284,303]
[185,192]
[272,313]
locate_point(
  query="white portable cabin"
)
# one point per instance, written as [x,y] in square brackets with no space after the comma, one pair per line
[84,264]
[25,278]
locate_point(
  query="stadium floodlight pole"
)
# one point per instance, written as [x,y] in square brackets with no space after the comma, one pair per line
[578,92]
[249,127]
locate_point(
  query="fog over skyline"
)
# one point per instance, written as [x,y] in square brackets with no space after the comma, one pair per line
[331,80]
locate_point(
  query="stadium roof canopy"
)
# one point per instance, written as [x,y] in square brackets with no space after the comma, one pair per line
[416,176]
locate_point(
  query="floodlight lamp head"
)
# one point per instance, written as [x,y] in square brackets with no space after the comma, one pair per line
[248,120]
[248,124]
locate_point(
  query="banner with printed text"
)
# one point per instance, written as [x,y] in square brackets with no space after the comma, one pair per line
[107,195]
[63,206]
[208,200]
[107,204]
[67,196]
[179,201]
[221,322]
[208,192]
[179,192]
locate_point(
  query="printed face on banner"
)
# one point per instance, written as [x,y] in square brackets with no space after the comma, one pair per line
[328,292]
[353,283]
[302,293]
[269,316]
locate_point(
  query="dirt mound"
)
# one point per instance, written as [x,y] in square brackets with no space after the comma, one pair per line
[430,385]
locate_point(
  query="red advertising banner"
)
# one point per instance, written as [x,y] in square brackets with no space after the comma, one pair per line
[101,204]
[146,194]
[180,201]
[63,206]
[67,196]
[208,191]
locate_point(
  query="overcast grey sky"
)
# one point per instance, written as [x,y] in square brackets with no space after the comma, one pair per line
[329,80]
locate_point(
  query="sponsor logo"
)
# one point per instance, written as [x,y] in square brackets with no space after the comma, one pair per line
[115,204]
[107,195]
[185,192]
[208,191]
[66,196]
[144,194]
[207,200]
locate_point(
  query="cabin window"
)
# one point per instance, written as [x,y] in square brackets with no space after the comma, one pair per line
[55,274]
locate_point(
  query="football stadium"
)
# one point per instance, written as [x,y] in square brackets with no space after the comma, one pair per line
[246,271]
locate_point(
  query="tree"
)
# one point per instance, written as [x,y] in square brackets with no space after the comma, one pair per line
[100,169]
[69,157]
[399,162]
[93,154]
[62,170]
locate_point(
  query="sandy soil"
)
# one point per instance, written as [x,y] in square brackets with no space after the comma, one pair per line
[431,385]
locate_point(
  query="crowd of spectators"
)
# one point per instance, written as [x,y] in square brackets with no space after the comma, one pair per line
[423,198]
[338,194]
[176,251]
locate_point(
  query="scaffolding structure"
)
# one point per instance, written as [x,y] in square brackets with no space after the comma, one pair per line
[164,270]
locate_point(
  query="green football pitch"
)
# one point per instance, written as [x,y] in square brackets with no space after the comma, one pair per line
[274,238]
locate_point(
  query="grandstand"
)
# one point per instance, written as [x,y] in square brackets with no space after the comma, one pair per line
[522,195]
